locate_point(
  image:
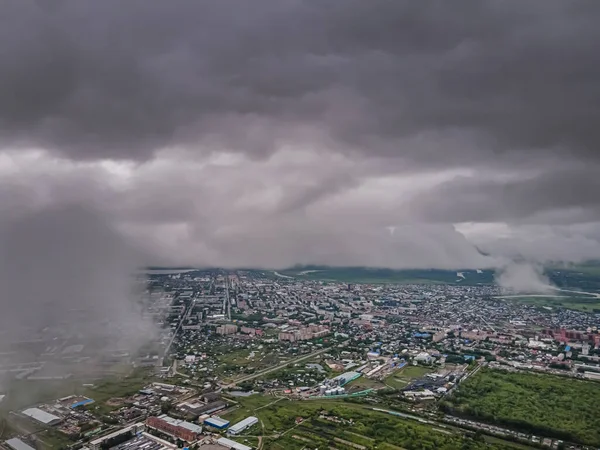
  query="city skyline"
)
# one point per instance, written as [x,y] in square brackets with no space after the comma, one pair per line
[223,135]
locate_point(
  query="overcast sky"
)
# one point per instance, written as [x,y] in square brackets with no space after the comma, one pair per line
[269,133]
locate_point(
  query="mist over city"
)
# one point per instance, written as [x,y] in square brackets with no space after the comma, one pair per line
[292,180]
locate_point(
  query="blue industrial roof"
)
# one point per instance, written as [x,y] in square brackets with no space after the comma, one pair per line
[87,401]
[421,335]
[217,422]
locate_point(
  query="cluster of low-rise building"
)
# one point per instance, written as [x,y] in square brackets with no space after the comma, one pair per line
[427,324]
[354,331]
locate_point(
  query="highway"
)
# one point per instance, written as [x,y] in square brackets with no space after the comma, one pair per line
[226,302]
[184,316]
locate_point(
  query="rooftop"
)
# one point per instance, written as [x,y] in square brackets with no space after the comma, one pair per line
[182,423]
[232,444]
[18,444]
[142,442]
[248,421]
[41,416]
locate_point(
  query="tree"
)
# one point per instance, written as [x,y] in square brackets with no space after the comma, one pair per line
[165,407]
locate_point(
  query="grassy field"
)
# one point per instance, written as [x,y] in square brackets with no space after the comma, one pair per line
[250,441]
[362,383]
[396,383]
[378,276]
[578,303]
[119,387]
[397,380]
[412,372]
[584,277]
[350,425]
[401,378]
[238,357]
[241,359]
[542,404]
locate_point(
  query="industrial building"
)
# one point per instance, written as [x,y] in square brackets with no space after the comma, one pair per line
[242,425]
[333,391]
[217,422]
[423,357]
[346,378]
[18,444]
[228,443]
[116,437]
[74,401]
[42,416]
[145,441]
[176,428]
[83,402]
[197,409]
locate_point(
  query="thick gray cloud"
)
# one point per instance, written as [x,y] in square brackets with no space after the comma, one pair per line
[250,213]
[269,133]
[279,132]
[526,198]
[435,82]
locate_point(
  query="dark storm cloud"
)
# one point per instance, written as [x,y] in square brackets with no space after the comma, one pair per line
[433,81]
[477,199]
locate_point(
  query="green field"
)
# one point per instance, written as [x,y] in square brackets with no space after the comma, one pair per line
[578,303]
[380,276]
[396,383]
[583,277]
[354,424]
[118,387]
[363,383]
[541,404]
[412,372]
[402,378]
[236,363]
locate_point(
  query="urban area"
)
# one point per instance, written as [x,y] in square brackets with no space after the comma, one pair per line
[267,360]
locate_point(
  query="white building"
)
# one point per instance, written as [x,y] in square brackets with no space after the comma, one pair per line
[18,444]
[42,416]
[242,425]
[423,357]
[228,443]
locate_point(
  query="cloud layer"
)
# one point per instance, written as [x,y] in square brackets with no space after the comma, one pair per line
[110,79]
[285,132]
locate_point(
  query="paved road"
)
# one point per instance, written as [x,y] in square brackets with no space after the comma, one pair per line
[186,313]
[174,369]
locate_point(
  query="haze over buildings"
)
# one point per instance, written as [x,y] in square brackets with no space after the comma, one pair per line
[275,133]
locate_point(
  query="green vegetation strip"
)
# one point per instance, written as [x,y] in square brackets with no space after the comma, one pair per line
[540,404]
[352,424]
[333,397]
